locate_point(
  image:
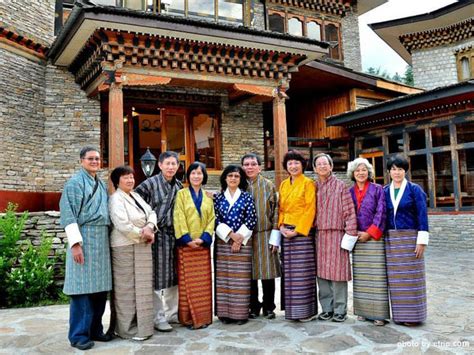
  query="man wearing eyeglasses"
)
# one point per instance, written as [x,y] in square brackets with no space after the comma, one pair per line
[265,239]
[85,218]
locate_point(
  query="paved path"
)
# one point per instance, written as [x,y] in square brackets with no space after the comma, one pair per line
[449,329]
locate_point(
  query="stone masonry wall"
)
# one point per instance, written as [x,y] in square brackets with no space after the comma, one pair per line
[351,41]
[242,132]
[435,67]
[21,122]
[33,19]
[72,121]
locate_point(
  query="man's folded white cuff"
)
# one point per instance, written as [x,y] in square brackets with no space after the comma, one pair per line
[247,233]
[73,234]
[423,237]
[223,231]
[348,241]
[275,238]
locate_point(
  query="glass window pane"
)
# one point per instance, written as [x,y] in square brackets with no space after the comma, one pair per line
[201,8]
[204,140]
[443,179]
[465,70]
[465,132]
[314,30]
[417,140]
[175,135]
[440,136]
[466,176]
[172,7]
[332,36]
[231,10]
[276,23]
[134,4]
[395,143]
[295,27]
[372,142]
[419,171]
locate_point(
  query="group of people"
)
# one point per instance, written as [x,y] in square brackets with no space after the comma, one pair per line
[158,256]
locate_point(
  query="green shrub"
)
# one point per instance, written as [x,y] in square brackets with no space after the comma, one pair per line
[32,280]
[11,227]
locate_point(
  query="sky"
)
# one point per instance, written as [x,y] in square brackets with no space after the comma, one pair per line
[375,52]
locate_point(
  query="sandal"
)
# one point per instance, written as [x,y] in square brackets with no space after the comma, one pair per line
[362,319]
[379,323]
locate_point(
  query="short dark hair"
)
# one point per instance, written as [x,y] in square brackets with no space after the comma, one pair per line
[294,155]
[87,149]
[400,161]
[168,154]
[323,155]
[118,172]
[194,166]
[251,156]
[234,169]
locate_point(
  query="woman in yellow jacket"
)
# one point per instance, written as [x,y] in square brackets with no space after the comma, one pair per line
[296,217]
[193,221]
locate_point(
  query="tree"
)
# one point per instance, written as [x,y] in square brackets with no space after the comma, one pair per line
[408,77]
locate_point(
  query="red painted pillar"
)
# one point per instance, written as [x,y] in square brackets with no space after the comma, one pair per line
[280,136]
[116,140]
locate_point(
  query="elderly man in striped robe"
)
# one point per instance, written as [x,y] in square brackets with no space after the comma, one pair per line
[336,222]
[265,239]
[159,192]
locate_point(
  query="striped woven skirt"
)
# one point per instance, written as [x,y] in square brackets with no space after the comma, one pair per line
[299,273]
[233,274]
[132,267]
[195,286]
[370,280]
[406,277]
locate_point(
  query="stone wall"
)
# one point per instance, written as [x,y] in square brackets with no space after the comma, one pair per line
[351,41]
[33,19]
[242,132]
[71,121]
[21,122]
[435,67]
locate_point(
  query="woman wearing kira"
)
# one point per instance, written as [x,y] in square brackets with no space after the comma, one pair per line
[134,223]
[405,243]
[193,221]
[235,220]
[368,256]
[297,210]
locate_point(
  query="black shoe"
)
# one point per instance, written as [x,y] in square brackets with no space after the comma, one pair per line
[253,315]
[269,314]
[241,322]
[339,318]
[102,337]
[225,320]
[325,316]
[84,346]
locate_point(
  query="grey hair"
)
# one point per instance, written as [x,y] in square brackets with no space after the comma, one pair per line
[323,155]
[353,165]
[86,150]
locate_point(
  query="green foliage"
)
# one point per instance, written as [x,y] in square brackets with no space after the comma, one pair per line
[11,227]
[407,79]
[32,280]
[26,271]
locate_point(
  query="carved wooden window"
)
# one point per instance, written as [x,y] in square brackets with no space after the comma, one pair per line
[276,22]
[332,36]
[465,64]
[295,26]
[313,30]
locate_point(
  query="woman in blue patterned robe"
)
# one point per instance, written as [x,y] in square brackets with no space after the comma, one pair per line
[235,220]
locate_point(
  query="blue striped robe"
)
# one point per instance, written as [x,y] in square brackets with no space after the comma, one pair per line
[90,211]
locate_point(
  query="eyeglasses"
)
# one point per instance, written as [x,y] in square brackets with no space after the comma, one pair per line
[250,164]
[92,159]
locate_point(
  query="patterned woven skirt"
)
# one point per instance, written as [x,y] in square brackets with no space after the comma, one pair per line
[406,277]
[133,290]
[299,273]
[370,280]
[195,286]
[233,274]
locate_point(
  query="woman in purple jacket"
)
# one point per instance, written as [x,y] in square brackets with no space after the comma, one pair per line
[370,274]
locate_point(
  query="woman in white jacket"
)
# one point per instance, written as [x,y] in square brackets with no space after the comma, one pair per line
[134,223]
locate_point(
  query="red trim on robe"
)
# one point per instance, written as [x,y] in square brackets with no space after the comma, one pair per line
[374,232]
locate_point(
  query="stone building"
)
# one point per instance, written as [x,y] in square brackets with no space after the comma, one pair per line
[209,79]
[434,128]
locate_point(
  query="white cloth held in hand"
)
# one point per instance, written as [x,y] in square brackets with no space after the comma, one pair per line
[348,242]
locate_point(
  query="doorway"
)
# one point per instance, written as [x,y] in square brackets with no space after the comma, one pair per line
[376,159]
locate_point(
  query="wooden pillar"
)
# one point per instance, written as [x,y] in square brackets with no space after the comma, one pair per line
[116,141]
[280,136]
